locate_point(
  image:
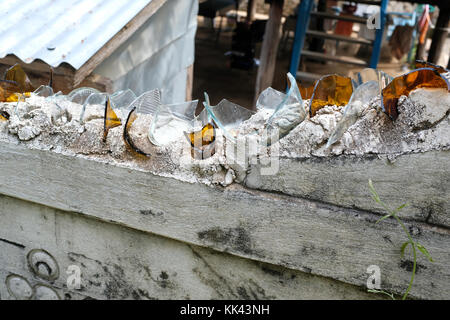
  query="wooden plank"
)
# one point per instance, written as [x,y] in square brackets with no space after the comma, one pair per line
[328,57]
[440,34]
[299,234]
[369,2]
[189,82]
[325,35]
[137,265]
[336,17]
[123,35]
[251,11]
[342,181]
[308,76]
[269,49]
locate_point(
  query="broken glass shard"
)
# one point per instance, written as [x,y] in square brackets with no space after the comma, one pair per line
[111,119]
[227,116]
[170,122]
[44,91]
[4,116]
[369,74]
[270,99]
[147,103]
[122,99]
[288,111]
[354,109]
[80,95]
[202,141]
[132,116]
[17,74]
[95,98]
[330,90]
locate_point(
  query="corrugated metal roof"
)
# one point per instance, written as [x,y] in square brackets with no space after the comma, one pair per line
[57,31]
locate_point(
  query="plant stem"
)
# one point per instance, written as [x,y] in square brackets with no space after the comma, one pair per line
[413,245]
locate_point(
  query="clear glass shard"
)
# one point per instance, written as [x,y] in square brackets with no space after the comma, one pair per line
[369,74]
[384,80]
[122,99]
[170,122]
[80,95]
[288,113]
[270,99]
[147,103]
[96,98]
[227,116]
[44,91]
[354,109]
[366,75]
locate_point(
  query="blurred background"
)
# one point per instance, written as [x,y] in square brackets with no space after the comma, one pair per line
[230,49]
[334,35]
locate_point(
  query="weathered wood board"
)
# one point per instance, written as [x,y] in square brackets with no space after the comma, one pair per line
[420,179]
[121,263]
[303,235]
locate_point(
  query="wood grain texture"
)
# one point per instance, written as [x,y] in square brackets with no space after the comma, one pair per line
[189,82]
[299,234]
[420,179]
[269,48]
[122,263]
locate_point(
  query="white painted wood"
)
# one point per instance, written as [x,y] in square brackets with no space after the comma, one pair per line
[303,235]
[121,263]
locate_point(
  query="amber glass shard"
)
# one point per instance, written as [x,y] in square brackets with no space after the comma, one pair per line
[330,90]
[202,142]
[16,73]
[202,137]
[420,64]
[403,85]
[170,122]
[111,119]
[307,92]
[354,109]
[8,89]
[4,116]
[15,97]
[126,134]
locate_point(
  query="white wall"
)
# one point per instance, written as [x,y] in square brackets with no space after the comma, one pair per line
[157,55]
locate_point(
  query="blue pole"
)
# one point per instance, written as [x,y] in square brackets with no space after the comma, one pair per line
[300,34]
[379,36]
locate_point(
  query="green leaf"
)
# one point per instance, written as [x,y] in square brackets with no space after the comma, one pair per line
[385,217]
[424,251]
[401,207]
[404,245]
[375,195]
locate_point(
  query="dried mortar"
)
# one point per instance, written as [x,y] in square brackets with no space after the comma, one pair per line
[46,124]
